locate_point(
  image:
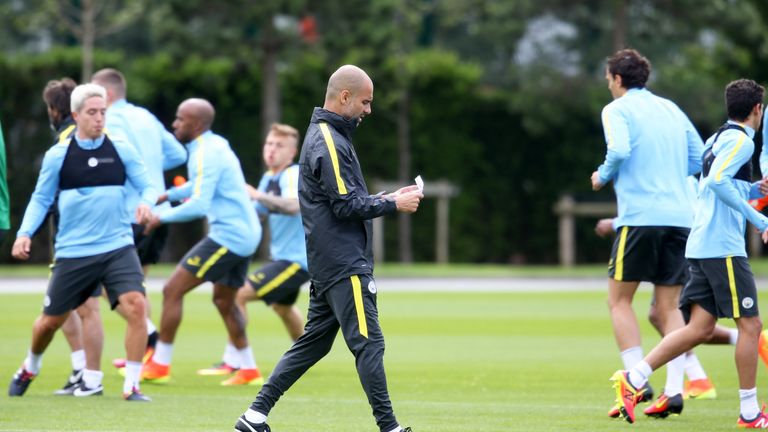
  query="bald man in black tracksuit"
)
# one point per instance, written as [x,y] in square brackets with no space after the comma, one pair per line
[336,210]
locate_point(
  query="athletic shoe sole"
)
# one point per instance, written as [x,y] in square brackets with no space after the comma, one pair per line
[83,391]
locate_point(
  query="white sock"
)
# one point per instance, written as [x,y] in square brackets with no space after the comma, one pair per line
[231,356]
[733,336]
[163,353]
[675,375]
[78,359]
[92,378]
[132,372]
[748,398]
[247,361]
[631,356]
[33,362]
[150,327]
[397,429]
[639,374]
[693,368]
[255,416]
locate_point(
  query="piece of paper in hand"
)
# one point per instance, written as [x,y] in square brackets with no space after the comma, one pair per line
[419,183]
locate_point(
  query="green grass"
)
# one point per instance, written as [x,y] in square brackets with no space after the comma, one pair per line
[455,362]
[759,267]
[388,269]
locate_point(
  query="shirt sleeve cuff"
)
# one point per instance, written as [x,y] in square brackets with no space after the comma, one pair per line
[602,175]
[390,206]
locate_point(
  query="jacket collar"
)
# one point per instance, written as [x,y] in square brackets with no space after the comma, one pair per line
[118,104]
[89,144]
[750,132]
[67,122]
[196,141]
[347,127]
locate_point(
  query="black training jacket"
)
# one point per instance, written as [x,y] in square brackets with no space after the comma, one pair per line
[336,208]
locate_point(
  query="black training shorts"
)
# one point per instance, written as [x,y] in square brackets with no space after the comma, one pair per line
[73,280]
[212,262]
[278,282]
[724,287]
[653,254]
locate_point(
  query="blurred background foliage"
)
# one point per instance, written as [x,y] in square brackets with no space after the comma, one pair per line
[501,98]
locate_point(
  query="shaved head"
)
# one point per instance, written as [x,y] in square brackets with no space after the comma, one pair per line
[200,109]
[193,117]
[347,77]
[349,93]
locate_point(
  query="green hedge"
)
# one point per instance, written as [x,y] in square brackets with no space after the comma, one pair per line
[511,153]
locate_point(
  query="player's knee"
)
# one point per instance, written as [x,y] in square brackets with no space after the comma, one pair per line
[48,323]
[242,297]
[70,329]
[704,334]
[89,308]
[224,304]
[170,292]
[369,349]
[758,323]
[701,332]
[751,326]
[134,306]
[615,303]
[654,317]
[86,313]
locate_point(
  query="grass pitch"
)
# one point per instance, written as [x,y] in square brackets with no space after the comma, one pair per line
[455,362]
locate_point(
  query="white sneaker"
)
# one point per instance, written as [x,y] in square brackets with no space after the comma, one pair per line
[73,382]
[84,391]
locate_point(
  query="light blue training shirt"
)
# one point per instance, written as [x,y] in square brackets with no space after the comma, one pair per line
[158,147]
[93,220]
[652,148]
[216,190]
[286,231]
[722,209]
[764,151]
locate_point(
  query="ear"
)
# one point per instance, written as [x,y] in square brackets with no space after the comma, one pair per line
[198,125]
[756,116]
[617,80]
[345,96]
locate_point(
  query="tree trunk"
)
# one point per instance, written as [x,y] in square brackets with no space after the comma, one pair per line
[620,12]
[270,94]
[404,144]
[404,170]
[89,39]
[270,104]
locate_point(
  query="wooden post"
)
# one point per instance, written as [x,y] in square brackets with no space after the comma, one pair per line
[567,231]
[378,239]
[440,189]
[442,232]
[567,209]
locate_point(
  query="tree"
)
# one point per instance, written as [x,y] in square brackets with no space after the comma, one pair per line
[501,98]
[265,32]
[90,20]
